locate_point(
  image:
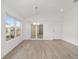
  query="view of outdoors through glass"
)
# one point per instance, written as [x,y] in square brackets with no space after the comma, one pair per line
[12,26]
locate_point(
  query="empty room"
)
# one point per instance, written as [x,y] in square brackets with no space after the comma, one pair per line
[39,29]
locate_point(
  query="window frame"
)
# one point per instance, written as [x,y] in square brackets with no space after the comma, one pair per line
[15,37]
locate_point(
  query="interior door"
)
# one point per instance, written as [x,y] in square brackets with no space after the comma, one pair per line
[37,31]
[33,31]
[40,31]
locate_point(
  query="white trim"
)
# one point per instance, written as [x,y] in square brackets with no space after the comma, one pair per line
[7,41]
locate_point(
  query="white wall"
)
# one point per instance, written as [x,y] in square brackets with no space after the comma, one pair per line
[70,25]
[62,26]
[52,30]
[7,46]
[52,27]
[26,31]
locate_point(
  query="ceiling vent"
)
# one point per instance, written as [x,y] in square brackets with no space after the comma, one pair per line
[75,1]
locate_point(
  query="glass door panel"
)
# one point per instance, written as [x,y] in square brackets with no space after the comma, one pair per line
[33,31]
[40,31]
[37,31]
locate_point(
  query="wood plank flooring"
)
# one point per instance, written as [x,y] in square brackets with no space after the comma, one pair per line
[44,49]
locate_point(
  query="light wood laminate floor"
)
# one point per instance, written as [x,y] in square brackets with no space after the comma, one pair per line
[43,49]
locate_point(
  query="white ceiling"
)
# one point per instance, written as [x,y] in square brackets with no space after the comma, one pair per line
[25,8]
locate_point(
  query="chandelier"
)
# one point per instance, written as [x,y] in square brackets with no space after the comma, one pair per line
[36,16]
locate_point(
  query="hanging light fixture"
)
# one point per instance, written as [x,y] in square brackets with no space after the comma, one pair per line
[36,16]
[36,23]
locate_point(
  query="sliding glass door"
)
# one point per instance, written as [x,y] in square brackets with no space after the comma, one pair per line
[37,31]
[40,31]
[33,31]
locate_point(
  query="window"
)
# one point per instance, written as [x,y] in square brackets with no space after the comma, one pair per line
[13,28]
[18,28]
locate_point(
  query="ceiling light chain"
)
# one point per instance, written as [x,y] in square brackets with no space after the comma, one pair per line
[36,16]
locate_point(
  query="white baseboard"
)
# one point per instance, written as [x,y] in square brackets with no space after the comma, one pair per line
[70,41]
